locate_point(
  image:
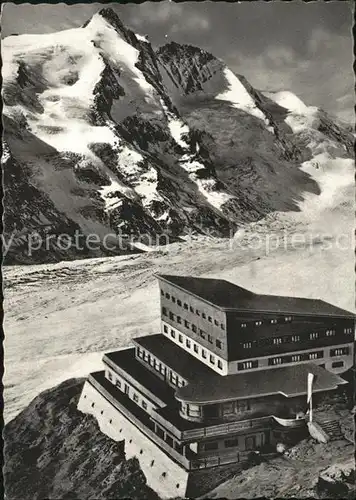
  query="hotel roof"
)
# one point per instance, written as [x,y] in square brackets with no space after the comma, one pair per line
[228,296]
[205,385]
[289,381]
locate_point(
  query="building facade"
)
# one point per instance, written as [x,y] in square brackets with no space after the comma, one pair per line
[227,368]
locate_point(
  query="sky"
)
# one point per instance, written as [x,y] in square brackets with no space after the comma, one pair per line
[306,48]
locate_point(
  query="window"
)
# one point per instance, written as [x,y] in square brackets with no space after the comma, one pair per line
[243,325]
[146,356]
[196,348]
[203,353]
[202,334]
[118,383]
[316,355]
[179,320]
[222,326]
[212,359]
[171,316]
[162,369]
[210,446]
[246,365]
[231,443]
[273,321]
[191,309]
[330,333]
[337,364]
[347,330]
[157,365]
[204,315]
[210,339]
[313,336]
[174,378]
[247,345]
[216,322]
[185,305]
[160,433]
[179,302]
[228,408]
[135,398]
[218,343]
[194,328]
[277,340]
[152,361]
[186,323]
[164,311]
[188,343]
[173,299]
[169,441]
[341,351]
[168,296]
[295,358]
[165,328]
[173,334]
[275,361]
[109,376]
[193,410]
[288,318]
[144,404]
[162,292]
[220,365]
[258,323]
[210,319]
[180,338]
[295,338]
[197,312]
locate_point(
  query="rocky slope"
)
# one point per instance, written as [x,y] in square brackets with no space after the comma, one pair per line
[104,134]
[54,451]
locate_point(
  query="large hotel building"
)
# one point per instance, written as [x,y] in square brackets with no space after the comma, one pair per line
[226,376]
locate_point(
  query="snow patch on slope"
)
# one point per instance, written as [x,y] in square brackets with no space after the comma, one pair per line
[300,117]
[141,38]
[333,175]
[73,55]
[191,163]
[121,52]
[238,96]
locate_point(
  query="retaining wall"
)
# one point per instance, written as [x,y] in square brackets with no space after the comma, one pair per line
[163,475]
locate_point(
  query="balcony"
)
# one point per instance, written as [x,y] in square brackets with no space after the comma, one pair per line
[138,417]
[189,431]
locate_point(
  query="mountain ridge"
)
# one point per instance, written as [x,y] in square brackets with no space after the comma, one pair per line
[149,141]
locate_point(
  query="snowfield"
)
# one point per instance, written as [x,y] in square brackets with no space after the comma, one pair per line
[238,96]
[60,318]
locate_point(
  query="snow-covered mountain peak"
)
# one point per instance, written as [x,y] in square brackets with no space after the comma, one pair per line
[111,134]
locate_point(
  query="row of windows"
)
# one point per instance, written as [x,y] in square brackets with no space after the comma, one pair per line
[250,443]
[340,351]
[235,406]
[294,358]
[246,365]
[187,307]
[273,321]
[196,348]
[293,338]
[191,326]
[159,367]
[119,384]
